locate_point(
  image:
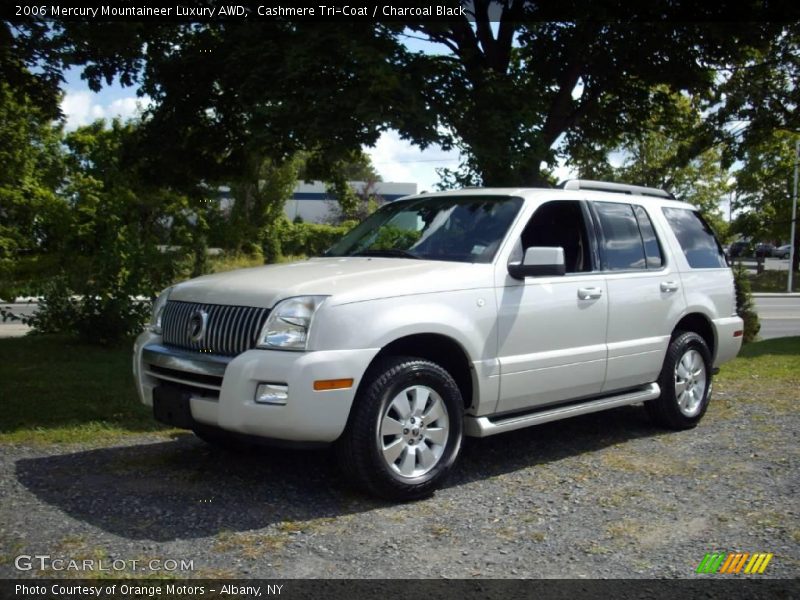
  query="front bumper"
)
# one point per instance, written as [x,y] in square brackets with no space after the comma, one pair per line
[223,389]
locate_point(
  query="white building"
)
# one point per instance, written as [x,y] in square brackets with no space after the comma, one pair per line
[313,203]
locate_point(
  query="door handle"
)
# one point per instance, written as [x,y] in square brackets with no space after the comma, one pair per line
[590,293]
[669,286]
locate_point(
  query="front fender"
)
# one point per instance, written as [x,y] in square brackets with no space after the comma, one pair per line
[466,316]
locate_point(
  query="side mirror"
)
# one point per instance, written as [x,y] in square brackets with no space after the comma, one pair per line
[538,261]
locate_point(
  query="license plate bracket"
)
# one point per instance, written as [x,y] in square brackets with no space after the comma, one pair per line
[171,406]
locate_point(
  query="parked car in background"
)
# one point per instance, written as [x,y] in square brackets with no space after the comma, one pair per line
[740,249]
[782,251]
[764,250]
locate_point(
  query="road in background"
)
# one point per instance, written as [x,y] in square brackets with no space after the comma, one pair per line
[770,264]
[779,315]
[20,309]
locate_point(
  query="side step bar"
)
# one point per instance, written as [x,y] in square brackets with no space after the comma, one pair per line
[486,426]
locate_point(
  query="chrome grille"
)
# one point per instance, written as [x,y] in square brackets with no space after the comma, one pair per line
[230,330]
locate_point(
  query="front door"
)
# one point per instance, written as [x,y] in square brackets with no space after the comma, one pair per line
[552,329]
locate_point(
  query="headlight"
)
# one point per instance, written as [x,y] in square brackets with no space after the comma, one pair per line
[158,310]
[289,322]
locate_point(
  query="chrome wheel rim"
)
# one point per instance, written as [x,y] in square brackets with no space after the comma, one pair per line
[690,383]
[413,431]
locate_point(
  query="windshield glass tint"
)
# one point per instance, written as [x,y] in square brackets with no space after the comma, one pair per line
[464,229]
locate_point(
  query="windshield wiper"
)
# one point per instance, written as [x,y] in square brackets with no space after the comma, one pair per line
[387,252]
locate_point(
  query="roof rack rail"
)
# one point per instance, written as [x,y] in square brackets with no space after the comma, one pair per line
[619,188]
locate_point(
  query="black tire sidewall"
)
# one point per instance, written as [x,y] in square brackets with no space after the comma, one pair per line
[416,372]
[681,344]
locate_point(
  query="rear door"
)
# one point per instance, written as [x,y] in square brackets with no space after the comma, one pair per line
[644,293]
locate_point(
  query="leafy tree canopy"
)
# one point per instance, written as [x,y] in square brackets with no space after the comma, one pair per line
[510,88]
[31,213]
[656,156]
[764,189]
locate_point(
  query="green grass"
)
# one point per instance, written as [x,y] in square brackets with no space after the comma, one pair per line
[55,390]
[765,374]
[777,359]
[773,281]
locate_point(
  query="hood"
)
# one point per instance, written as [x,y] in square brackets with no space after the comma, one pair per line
[347,279]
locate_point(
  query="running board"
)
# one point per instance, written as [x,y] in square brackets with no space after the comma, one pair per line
[486,426]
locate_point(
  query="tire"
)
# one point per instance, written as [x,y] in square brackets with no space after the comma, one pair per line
[404,431]
[685,383]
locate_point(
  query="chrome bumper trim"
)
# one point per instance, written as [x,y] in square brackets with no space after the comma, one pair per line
[183,381]
[191,362]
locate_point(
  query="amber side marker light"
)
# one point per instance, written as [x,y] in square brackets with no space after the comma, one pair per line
[322,385]
[739,333]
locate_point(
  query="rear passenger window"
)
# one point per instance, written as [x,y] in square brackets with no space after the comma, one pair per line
[701,248]
[651,248]
[623,248]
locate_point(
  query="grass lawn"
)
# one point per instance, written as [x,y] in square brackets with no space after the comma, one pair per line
[55,390]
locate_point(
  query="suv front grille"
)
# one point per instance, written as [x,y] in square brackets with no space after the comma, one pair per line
[230,330]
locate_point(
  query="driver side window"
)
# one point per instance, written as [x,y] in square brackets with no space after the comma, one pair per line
[560,223]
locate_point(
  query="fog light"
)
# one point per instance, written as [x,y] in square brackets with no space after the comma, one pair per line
[272,393]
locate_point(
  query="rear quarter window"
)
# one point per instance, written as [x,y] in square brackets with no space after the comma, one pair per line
[697,240]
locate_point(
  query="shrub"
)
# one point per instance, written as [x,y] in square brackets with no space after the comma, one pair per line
[744,303]
[311,239]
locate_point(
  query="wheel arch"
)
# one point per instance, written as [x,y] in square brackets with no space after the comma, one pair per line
[440,349]
[700,324]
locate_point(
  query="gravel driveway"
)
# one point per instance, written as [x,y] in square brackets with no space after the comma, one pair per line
[604,495]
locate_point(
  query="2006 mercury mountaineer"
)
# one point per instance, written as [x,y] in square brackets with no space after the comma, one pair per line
[469,312]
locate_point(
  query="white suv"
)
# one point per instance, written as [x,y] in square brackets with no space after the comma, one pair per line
[469,312]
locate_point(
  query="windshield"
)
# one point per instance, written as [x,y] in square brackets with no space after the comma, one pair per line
[464,229]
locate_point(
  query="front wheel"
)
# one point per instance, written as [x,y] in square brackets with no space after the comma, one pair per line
[404,431]
[685,382]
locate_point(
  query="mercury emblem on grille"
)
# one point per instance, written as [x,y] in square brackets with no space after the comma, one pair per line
[196,328]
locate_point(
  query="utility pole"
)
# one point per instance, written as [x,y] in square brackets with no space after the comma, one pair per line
[730,207]
[792,248]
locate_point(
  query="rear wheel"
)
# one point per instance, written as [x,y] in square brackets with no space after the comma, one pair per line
[685,383]
[404,431]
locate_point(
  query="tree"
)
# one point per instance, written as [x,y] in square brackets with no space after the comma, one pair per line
[225,90]
[759,96]
[120,232]
[514,89]
[31,213]
[259,200]
[31,61]
[764,190]
[516,99]
[656,156]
